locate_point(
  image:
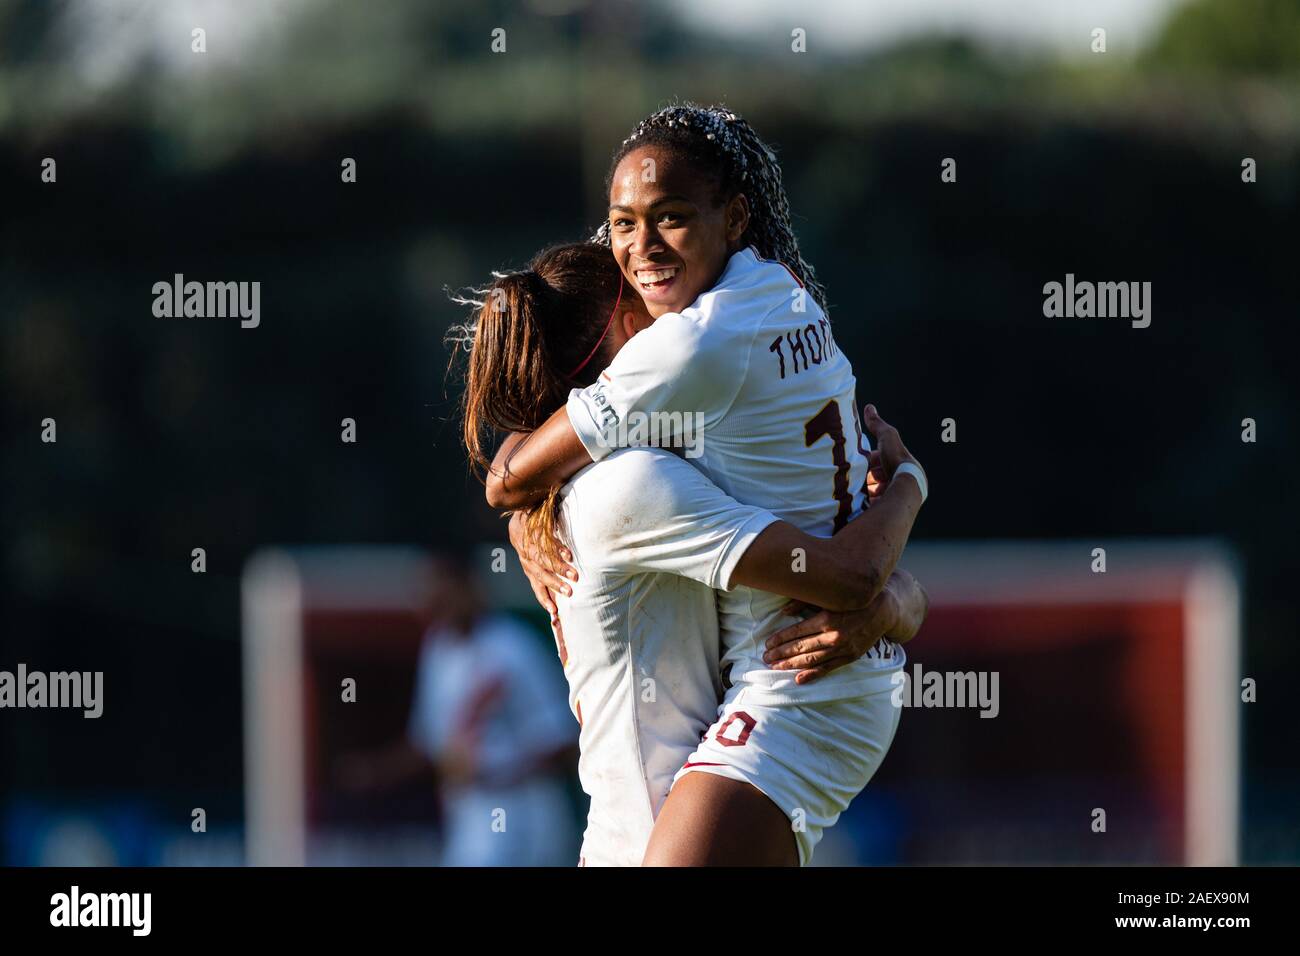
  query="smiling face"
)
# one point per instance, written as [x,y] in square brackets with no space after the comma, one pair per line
[670,233]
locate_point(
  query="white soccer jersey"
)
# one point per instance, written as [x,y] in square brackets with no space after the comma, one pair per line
[753,361]
[495,687]
[496,691]
[651,538]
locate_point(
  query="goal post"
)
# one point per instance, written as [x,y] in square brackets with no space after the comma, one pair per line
[1166,616]
[1120,689]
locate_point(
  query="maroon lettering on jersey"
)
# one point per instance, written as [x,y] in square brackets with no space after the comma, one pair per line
[810,330]
[747,724]
[797,350]
[812,343]
[776,347]
[826,334]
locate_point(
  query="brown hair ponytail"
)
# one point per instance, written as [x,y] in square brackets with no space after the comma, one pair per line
[527,346]
[507,375]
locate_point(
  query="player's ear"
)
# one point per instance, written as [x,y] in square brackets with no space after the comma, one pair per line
[636,319]
[737,217]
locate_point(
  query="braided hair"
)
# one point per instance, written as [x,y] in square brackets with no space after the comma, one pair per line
[724,145]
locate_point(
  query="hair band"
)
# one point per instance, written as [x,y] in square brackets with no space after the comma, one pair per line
[608,325]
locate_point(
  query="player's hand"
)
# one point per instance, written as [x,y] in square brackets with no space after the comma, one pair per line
[889,452]
[828,640]
[546,576]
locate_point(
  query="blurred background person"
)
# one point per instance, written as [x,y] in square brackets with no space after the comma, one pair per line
[490,721]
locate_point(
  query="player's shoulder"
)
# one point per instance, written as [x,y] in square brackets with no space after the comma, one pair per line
[752,281]
[711,336]
[752,293]
[625,490]
[639,470]
[672,338]
[758,271]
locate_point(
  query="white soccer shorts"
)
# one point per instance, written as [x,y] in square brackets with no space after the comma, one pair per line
[810,759]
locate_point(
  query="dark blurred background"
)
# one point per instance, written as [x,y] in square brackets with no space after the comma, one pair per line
[182,433]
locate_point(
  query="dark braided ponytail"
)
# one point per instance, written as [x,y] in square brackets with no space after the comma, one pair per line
[724,145]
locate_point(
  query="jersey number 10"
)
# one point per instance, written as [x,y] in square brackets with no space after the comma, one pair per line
[829,422]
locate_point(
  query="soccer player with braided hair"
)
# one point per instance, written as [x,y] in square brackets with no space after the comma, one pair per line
[735,353]
[719,139]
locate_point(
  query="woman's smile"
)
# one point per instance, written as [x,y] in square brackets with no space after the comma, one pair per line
[657,283]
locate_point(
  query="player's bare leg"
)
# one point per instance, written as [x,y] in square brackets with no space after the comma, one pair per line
[709,820]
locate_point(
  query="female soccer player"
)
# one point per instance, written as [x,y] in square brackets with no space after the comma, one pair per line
[699,226]
[639,637]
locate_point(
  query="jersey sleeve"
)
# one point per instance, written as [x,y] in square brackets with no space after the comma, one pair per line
[678,366]
[651,511]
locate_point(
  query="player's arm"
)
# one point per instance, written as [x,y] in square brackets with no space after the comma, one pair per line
[841,573]
[911,603]
[529,464]
[830,639]
[663,368]
[848,571]
[667,367]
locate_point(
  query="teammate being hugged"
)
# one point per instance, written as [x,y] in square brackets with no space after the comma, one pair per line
[740,343]
[652,537]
